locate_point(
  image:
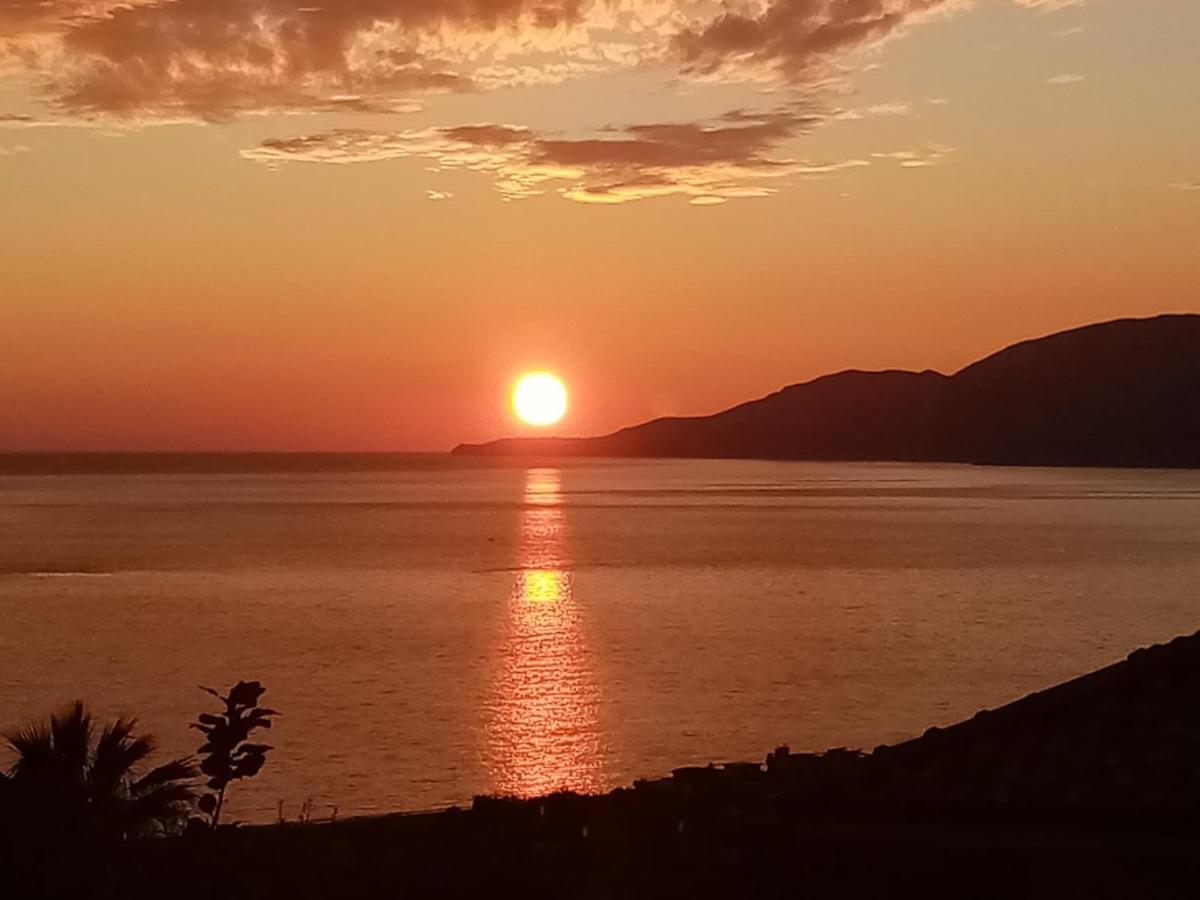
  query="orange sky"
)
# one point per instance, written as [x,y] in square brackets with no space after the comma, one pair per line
[260,224]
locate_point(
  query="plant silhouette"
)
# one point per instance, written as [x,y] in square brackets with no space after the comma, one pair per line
[67,781]
[227,754]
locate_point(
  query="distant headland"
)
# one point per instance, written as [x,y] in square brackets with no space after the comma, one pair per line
[1123,393]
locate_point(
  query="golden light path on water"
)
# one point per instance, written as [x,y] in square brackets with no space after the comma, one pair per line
[544,732]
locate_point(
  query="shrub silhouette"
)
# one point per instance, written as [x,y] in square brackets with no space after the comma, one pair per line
[227,753]
[66,783]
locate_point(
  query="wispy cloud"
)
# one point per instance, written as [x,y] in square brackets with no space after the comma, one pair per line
[1066,79]
[1050,5]
[1186,186]
[920,158]
[795,38]
[24,120]
[894,108]
[708,162]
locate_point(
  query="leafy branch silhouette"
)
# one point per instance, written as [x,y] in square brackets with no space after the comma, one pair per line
[227,755]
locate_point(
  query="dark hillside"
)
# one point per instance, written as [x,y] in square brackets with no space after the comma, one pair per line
[1122,393]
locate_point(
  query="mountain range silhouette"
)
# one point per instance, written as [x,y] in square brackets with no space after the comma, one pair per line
[1119,393]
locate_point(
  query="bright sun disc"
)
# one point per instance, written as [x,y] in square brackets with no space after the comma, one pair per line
[539,398]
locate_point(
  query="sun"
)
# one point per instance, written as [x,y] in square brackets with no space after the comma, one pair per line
[539,398]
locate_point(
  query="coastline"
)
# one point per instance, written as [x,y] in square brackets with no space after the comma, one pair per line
[1089,788]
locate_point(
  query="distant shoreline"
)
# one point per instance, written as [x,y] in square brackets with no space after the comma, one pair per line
[219,462]
[316,462]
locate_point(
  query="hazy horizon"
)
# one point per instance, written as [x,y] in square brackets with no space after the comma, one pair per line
[434,452]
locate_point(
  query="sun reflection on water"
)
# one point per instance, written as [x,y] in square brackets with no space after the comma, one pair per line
[544,729]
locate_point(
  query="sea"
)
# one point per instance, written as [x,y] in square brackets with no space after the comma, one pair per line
[432,628]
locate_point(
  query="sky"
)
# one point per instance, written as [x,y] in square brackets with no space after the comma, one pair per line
[287,225]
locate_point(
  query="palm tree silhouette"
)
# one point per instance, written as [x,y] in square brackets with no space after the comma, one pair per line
[65,781]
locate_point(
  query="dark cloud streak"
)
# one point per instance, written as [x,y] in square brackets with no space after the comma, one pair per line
[795,36]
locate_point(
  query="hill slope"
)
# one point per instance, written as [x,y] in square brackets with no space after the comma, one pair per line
[1121,393]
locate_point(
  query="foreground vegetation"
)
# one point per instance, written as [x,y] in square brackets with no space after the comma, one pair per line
[1089,789]
[77,794]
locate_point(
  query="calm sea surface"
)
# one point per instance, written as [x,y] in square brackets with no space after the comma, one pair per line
[444,629]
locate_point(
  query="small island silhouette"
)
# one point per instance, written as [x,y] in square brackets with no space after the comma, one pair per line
[1121,393]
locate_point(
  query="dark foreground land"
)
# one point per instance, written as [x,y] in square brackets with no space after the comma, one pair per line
[1089,789]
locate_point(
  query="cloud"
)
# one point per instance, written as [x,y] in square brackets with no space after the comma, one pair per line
[12,149]
[921,158]
[22,120]
[212,60]
[708,162]
[894,108]
[1050,5]
[137,61]
[1066,79]
[1186,186]
[796,38]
